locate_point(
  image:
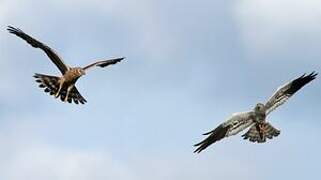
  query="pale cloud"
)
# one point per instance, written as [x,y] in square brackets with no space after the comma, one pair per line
[181,77]
[28,155]
[39,161]
[147,38]
[140,18]
[279,27]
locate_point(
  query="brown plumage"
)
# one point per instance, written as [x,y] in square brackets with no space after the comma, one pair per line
[63,86]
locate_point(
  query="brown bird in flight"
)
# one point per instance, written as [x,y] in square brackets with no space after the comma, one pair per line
[63,86]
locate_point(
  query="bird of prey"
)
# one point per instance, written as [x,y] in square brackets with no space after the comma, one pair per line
[63,86]
[259,129]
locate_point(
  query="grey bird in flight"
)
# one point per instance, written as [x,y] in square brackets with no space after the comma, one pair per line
[260,129]
[63,86]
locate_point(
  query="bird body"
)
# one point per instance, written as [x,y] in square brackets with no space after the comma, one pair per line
[68,80]
[259,129]
[63,86]
[72,75]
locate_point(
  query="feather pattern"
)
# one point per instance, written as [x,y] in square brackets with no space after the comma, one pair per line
[54,57]
[283,93]
[259,132]
[232,126]
[64,86]
[51,86]
[215,135]
[104,63]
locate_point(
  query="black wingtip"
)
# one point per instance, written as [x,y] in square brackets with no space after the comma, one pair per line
[215,135]
[301,81]
[10,27]
[205,134]
[313,74]
[109,62]
[199,149]
[119,59]
[13,30]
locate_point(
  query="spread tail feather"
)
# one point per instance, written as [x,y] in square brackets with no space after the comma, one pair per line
[51,86]
[259,132]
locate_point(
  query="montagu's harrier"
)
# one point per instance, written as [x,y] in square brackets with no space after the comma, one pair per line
[63,86]
[259,129]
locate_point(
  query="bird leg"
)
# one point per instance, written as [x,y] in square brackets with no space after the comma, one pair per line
[68,91]
[60,86]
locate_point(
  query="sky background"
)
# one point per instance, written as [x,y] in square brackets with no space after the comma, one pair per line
[189,65]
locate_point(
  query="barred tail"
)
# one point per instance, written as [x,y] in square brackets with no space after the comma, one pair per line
[49,83]
[51,86]
[260,131]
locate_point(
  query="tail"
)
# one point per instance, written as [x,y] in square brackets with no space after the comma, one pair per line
[51,86]
[260,131]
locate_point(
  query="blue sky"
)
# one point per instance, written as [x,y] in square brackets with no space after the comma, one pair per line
[189,65]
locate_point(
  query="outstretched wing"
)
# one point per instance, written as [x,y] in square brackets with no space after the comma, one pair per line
[36,44]
[104,63]
[215,135]
[234,125]
[284,92]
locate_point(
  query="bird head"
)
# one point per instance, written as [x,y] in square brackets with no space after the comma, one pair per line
[259,108]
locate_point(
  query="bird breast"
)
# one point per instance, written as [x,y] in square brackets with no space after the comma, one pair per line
[259,117]
[71,76]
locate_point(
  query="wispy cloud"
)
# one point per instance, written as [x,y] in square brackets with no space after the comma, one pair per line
[280,28]
[186,70]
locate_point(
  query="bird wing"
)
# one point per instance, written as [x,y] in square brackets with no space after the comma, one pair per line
[235,124]
[104,63]
[284,92]
[36,44]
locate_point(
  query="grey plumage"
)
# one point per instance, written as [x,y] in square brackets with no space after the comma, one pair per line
[283,93]
[259,130]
